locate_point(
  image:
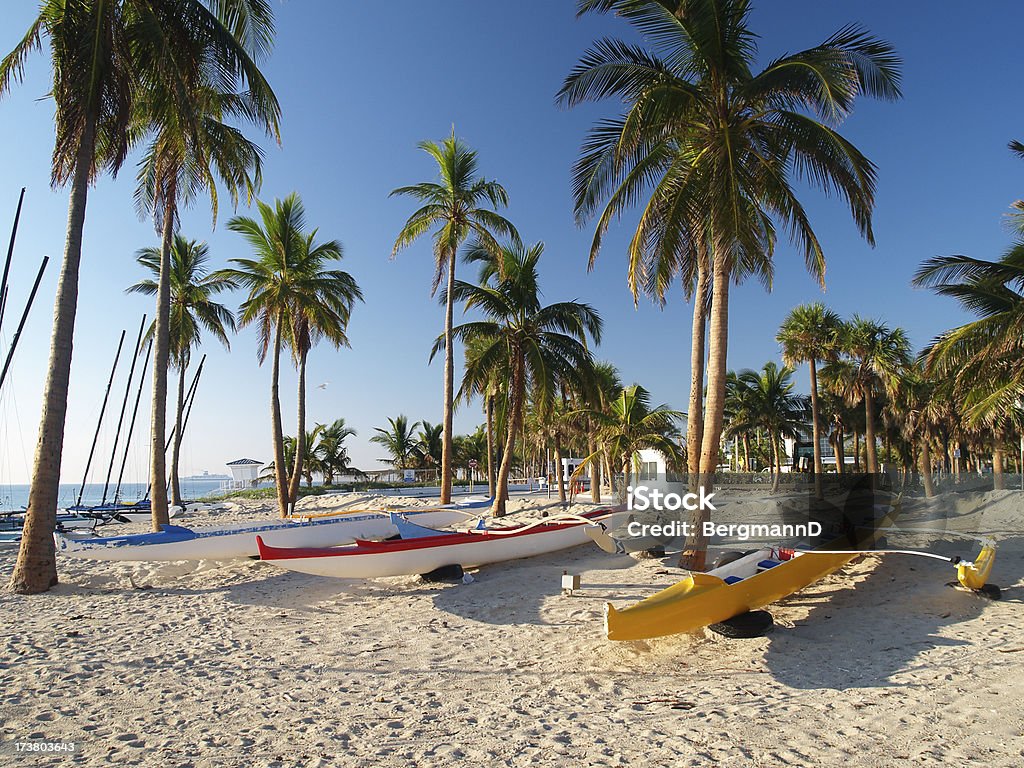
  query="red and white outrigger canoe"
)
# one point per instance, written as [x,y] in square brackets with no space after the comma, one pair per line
[425,553]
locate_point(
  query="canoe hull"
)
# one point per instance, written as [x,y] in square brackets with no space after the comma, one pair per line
[239,540]
[423,555]
[701,599]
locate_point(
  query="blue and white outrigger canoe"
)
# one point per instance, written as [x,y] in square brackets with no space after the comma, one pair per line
[238,540]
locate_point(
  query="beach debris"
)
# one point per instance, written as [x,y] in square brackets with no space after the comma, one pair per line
[131,580]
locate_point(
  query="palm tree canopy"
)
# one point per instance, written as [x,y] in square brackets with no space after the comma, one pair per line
[718,145]
[454,205]
[398,440]
[982,356]
[873,356]
[552,338]
[809,332]
[193,309]
[288,278]
[769,402]
[111,57]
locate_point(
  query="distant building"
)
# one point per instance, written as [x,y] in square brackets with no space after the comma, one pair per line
[244,472]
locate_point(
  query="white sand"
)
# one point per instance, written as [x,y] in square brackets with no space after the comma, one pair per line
[225,664]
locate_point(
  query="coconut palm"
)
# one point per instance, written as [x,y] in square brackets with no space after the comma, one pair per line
[872,357]
[456,207]
[399,441]
[810,333]
[723,147]
[292,298]
[770,405]
[330,450]
[539,345]
[490,388]
[630,425]
[192,310]
[982,357]
[430,443]
[106,58]
[321,308]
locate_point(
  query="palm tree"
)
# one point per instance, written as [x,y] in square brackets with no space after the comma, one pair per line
[431,439]
[190,145]
[192,310]
[872,357]
[630,425]
[455,208]
[331,451]
[490,389]
[399,441]
[292,298]
[723,146]
[106,56]
[982,357]
[539,345]
[808,334]
[773,407]
[321,309]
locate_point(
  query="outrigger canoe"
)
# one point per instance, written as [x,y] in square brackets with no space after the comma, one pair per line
[745,584]
[238,540]
[418,553]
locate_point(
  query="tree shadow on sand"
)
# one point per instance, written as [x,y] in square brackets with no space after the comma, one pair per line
[864,634]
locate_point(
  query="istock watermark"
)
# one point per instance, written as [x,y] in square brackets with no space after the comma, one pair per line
[642,497]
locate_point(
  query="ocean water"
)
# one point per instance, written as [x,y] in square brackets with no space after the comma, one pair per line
[16,496]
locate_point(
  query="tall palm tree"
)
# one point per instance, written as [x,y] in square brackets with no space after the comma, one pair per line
[105,57]
[539,345]
[321,308]
[724,147]
[292,298]
[774,408]
[398,440]
[490,388]
[331,451]
[454,207]
[872,357]
[192,310]
[810,333]
[630,425]
[191,145]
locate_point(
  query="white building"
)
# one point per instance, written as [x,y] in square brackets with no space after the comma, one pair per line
[244,472]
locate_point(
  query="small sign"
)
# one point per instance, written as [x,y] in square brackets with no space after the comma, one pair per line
[473,463]
[956,453]
[409,475]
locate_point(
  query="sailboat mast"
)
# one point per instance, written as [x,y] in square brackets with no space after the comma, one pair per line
[131,426]
[10,256]
[24,317]
[124,406]
[99,421]
[190,397]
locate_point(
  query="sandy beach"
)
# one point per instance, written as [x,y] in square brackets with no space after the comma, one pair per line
[239,663]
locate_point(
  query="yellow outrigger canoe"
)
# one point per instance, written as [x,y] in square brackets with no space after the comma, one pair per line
[745,584]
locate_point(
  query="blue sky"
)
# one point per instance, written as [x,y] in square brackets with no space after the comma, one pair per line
[361,83]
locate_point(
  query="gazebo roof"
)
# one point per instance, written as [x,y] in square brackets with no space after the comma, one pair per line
[240,462]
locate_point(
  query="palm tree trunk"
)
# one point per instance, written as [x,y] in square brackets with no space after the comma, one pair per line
[300,435]
[695,416]
[280,472]
[856,451]
[559,471]
[925,467]
[490,445]
[776,442]
[816,430]
[610,472]
[517,393]
[36,568]
[746,452]
[595,467]
[176,445]
[161,361]
[449,387]
[870,449]
[694,554]
[998,457]
[841,452]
